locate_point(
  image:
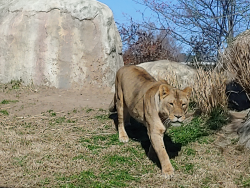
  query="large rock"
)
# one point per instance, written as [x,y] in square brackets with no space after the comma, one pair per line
[244,132]
[61,43]
[237,97]
[177,74]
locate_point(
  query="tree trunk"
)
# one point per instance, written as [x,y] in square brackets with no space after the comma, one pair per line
[231,15]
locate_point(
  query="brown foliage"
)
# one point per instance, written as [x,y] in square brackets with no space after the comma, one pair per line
[147,48]
[143,46]
[209,90]
[237,62]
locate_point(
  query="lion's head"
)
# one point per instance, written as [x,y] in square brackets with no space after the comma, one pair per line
[173,103]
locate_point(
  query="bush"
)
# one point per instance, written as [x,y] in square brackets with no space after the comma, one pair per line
[237,61]
[209,91]
[143,45]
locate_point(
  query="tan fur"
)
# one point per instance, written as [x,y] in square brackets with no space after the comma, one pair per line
[139,95]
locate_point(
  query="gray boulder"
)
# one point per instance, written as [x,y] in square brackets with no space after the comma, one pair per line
[177,74]
[244,132]
[59,43]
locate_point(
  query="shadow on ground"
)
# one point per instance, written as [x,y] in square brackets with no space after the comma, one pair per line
[138,132]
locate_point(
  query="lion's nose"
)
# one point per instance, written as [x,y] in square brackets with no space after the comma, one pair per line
[178,116]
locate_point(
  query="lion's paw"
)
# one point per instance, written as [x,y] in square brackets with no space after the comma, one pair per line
[123,139]
[169,174]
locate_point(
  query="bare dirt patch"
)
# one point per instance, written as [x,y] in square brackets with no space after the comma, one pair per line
[59,138]
[34,100]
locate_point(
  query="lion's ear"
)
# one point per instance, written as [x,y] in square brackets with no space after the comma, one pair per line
[164,91]
[188,91]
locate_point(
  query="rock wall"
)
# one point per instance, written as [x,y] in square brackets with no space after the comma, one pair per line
[59,43]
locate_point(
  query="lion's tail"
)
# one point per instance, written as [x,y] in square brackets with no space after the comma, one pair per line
[112,106]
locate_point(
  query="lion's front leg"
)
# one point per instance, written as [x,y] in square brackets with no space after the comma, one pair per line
[121,112]
[156,137]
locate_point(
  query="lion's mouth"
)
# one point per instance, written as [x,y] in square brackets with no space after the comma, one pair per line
[177,119]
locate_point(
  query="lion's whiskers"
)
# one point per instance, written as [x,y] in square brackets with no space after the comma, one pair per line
[164,120]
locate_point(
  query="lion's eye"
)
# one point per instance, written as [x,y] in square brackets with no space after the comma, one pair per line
[171,104]
[183,105]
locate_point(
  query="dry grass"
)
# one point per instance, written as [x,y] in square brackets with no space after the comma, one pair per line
[209,90]
[80,148]
[172,80]
[48,152]
[237,62]
[36,148]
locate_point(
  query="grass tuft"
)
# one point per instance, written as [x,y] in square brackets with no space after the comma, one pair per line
[9,101]
[188,133]
[4,112]
[102,117]
[114,178]
[199,127]
[209,90]
[217,118]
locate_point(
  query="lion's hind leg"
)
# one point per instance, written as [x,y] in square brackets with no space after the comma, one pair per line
[122,116]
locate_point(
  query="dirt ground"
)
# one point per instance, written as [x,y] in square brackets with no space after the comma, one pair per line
[35,100]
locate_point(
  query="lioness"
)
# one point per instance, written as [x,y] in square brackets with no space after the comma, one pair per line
[150,102]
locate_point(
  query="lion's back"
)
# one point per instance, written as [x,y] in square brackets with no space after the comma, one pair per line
[134,73]
[133,82]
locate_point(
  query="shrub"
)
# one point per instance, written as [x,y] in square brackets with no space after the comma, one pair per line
[144,45]
[209,90]
[236,59]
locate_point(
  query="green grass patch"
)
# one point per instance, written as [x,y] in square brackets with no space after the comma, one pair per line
[80,157]
[58,120]
[45,182]
[112,178]
[16,84]
[9,101]
[88,110]
[188,133]
[199,127]
[206,140]
[217,118]
[52,113]
[243,181]
[135,151]
[117,160]
[102,117]
[100,141]
[188,168]
[189,151]
[71,121]
[20,161]
[207,180]
[118,178]
[174,164]
[101,110]
[4,112]
[246,183]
